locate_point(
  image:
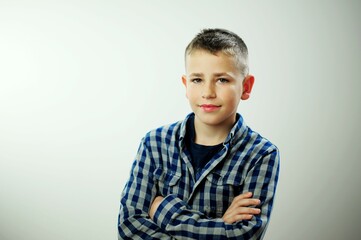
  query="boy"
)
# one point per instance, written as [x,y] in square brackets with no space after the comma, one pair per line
[208,176]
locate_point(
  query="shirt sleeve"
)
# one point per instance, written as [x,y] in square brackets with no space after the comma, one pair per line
[176,218]
[133,220]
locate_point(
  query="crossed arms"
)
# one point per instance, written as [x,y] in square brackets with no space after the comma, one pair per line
[145,215]
[240,208]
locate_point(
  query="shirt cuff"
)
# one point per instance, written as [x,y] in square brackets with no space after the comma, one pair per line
[166,209]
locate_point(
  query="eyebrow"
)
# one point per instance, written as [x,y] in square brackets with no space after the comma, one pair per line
[216,74]
[221,74]
[196,75]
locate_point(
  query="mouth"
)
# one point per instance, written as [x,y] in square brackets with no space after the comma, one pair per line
[210,107]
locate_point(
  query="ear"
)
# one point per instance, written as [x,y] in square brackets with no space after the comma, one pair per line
[247,87]
[184,81]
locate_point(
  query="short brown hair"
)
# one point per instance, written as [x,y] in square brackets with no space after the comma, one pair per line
[221,40]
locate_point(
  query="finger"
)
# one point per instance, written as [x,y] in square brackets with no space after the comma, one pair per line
[242,210]
[247,210]
[235,218]
[246,202]
[240,198]
[243,213]
[230,213]
[243,196]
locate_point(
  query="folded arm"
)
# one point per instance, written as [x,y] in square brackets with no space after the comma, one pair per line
[134,221]
[174,216]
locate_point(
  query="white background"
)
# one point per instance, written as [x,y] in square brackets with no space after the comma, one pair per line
[82,81]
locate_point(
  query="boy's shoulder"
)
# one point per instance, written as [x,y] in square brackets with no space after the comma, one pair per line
[167,132]
[246,139]
[255,148]
[256,138]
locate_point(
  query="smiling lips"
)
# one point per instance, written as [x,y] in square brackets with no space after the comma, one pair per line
[210,107]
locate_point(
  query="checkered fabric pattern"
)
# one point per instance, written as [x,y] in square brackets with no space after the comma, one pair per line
[193,205]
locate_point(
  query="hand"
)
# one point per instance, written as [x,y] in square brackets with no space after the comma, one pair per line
[240,208]
[154,206]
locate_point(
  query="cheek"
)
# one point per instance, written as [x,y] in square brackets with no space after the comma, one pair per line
[191,94]
[231,95]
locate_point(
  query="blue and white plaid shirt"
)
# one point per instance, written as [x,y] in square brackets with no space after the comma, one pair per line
[193,205]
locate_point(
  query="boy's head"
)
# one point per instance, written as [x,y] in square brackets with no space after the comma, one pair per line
[216,76]
[221,40]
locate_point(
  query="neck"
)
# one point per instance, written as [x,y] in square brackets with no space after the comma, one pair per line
[211,135]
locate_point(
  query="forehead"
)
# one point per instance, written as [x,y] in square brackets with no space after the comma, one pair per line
[201,60]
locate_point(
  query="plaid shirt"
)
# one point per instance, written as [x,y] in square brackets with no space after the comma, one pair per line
[193,205]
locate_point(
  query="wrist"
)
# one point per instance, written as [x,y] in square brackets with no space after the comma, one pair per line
[155,206]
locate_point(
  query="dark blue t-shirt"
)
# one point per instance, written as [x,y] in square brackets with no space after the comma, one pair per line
[200,154]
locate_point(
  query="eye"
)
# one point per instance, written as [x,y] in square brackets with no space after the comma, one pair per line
[223,80]
[196,80]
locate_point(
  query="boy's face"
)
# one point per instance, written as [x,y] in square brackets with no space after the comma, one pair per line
[214,86]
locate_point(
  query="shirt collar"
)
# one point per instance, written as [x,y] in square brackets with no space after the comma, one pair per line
[236,132]
[183,129]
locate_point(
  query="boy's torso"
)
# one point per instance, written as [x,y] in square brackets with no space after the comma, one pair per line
[212,190]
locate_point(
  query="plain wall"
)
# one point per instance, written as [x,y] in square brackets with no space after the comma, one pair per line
[81,82]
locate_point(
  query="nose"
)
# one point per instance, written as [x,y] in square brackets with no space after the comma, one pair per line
[208,91]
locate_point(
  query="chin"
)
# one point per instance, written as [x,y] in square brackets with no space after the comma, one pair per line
[212,121]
